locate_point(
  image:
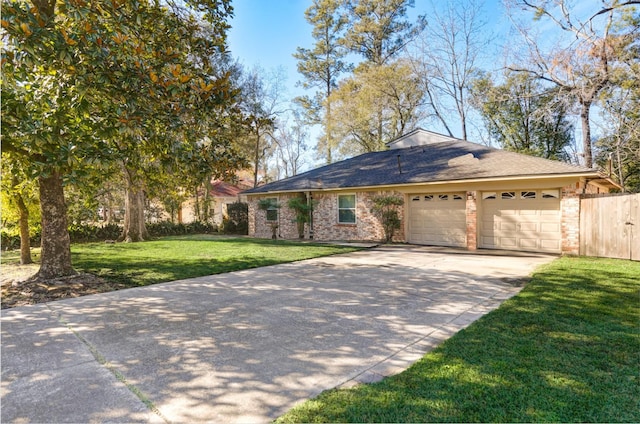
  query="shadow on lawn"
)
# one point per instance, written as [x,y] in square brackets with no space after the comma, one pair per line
[566,349]
[141,273]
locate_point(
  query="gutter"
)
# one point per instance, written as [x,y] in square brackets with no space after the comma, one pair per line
[586,175]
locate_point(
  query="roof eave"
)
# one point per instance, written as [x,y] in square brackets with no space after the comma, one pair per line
[586,174]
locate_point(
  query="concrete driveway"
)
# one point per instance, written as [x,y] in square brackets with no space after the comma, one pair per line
[244,346]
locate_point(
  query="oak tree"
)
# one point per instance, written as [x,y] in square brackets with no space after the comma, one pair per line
[90,84]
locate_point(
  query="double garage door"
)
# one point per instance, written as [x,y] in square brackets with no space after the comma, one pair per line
[527,220]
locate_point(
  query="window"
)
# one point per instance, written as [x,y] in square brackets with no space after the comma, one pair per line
[443,197]
[489,195]
[272,211]
[347,208]
[508,195]
[457,197]
[415,199]
[428,197]
[527,194]
[550,194]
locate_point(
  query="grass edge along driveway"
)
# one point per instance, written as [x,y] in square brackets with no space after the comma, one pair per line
[566,349]
[180,257]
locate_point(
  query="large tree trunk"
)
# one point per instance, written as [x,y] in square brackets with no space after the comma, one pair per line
[586,133]
[206,200]
[134,229]
[25,242]
[56,245]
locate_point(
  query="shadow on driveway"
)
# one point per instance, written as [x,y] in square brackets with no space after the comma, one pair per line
[244,346]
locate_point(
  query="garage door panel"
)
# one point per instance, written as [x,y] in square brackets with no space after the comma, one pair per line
[526,221]
[528,243]
[554,213]
[508,242]
[437,219]
[550,245]
[550,227]
[506,226]
[528,226]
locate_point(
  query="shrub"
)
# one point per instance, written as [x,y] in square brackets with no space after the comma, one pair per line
[10,236]
[168,228]
[303,210]
[88,232]
[385,208]
[77,233]
[237,219]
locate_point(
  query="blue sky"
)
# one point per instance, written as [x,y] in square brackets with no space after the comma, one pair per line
[267,32]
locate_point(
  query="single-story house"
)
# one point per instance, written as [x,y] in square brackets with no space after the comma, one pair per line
[456,193]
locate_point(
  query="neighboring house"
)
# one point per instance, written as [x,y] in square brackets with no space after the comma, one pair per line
[221,194]
[456,193]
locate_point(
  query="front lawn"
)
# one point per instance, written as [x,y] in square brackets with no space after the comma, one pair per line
[175,258]
[566,349]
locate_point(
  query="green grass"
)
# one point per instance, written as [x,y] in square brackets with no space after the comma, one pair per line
[175,258]
[566,349]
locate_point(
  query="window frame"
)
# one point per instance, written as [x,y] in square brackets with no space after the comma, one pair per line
[354,209]
[272,209]
[551,193]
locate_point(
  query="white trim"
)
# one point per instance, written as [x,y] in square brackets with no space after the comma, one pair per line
[465,181]
[355,208]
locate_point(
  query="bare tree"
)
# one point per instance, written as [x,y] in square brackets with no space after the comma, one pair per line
[583,63]
[262,103]
[447,57]
[619,149]
[290,141]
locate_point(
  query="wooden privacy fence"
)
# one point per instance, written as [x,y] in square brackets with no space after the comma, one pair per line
[610,226]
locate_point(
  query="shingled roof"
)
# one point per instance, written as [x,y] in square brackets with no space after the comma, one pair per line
[446,159]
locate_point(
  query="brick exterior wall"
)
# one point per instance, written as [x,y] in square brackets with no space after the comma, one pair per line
[261,228]
[368,228]
[472,220]
[570,221]
[325,219]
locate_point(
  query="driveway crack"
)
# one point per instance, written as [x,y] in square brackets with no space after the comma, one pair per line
[105,363]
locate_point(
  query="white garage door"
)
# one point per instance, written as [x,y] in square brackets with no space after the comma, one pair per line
[527,220]
[437,219]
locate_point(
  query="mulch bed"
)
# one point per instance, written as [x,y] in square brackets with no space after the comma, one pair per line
[28,292]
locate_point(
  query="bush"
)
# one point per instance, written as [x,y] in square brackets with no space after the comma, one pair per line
[88,232]
[10,236]
[385,208]
[77,233]
[81,233]
[237,221]
[168,228]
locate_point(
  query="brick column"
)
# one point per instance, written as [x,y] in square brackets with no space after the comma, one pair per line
[252,209]
[472,219]
[570,221]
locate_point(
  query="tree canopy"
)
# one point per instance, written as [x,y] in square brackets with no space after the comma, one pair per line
[87,85]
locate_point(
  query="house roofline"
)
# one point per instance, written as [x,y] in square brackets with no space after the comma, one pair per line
[587,175]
